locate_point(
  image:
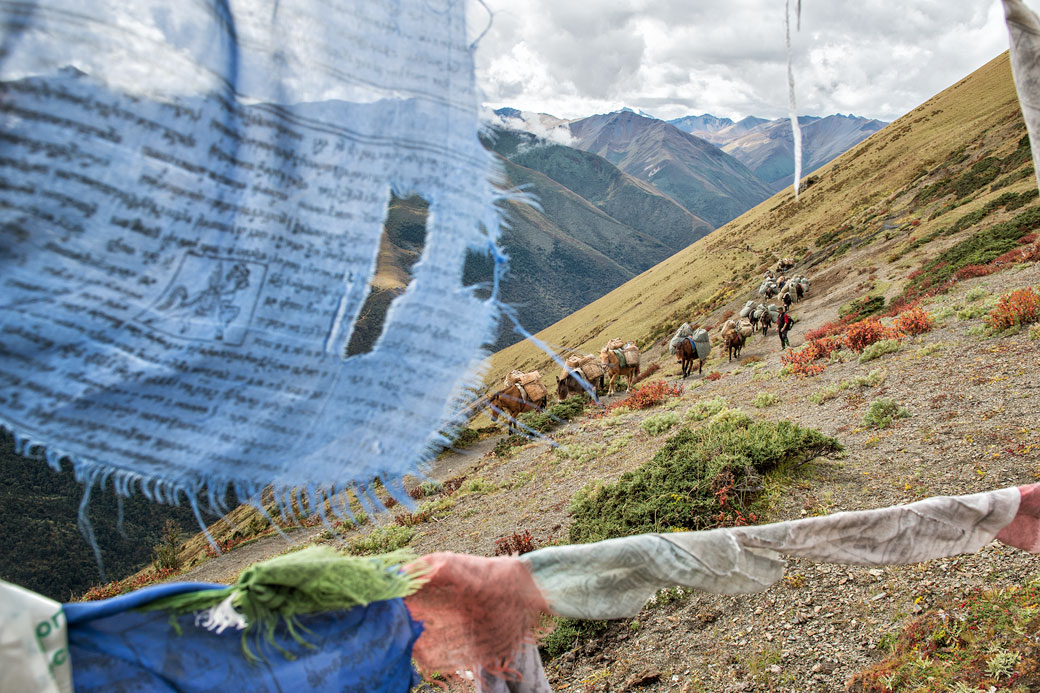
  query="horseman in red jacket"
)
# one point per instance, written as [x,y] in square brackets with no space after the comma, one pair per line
[783,325]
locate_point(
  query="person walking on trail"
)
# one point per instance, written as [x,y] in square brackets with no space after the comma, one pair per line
[783,325]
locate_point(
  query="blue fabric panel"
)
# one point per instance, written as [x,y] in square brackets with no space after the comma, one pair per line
[115,649]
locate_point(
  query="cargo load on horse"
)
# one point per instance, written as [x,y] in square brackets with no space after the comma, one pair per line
[745,328]
[747,309]
[702,343]
[684,331]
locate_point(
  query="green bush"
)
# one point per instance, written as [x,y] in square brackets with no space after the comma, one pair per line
[878,349]
[883,411]
[863,307]
[766,399]
[165,553]
[706,409]
[568,634]
[657,424]
[545,421]
[694,477]
[381,540]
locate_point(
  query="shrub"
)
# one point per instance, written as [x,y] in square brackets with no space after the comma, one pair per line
[430,510]
[381,540]
[883,411]
[657,424]
[864,307]
[714,375]
[698,479]
[1016,308]
[879,349]
[506,446]
[978,641]
[515,544]
[165,553]
[553,416]
[582,453]
[765,399]
[735,417]
[860,335]
[705,409]
[826,393]
[914,321]
[649,395]
[568,634]
[975,294]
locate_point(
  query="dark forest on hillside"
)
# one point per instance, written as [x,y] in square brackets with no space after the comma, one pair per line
[41,547]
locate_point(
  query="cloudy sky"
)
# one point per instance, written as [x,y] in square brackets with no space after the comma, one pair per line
[873,58]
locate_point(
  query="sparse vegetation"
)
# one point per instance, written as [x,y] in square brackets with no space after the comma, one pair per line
[706,409]
[554,415]
[381,540]
[982,641]
[656,424]
[879,349]
[766,399]
[883,411]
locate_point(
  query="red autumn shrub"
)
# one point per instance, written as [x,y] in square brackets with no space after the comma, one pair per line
[714,375]
[972,271]
[802,361]
[860,335]
[514,544]
[825,330]
[914,321]
[118,587]
[649,395]
[1016,308]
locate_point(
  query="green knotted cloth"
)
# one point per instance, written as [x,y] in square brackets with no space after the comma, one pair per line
[312,580]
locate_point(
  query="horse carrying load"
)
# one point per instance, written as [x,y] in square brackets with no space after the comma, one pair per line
[521,392]
[619,359]
[586,367]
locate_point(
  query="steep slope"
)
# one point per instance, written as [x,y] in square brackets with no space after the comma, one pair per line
[625,198]
[561,257]
[695,173]
[879,209]
[768,149]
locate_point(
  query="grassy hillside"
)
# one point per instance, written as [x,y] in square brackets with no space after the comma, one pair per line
[627,199]
[878,213]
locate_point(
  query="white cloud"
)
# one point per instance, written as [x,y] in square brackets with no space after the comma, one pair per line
[727,57]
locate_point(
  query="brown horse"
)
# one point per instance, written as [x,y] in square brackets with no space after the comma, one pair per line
[686,354]
[609,360]
[510,402]
[799,290]
[734,343]
[565,387]
[766,320]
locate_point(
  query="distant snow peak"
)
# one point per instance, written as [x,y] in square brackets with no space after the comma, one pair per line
[638,112]
[542,125]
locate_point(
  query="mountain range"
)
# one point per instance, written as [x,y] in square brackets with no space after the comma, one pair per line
[619,192]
